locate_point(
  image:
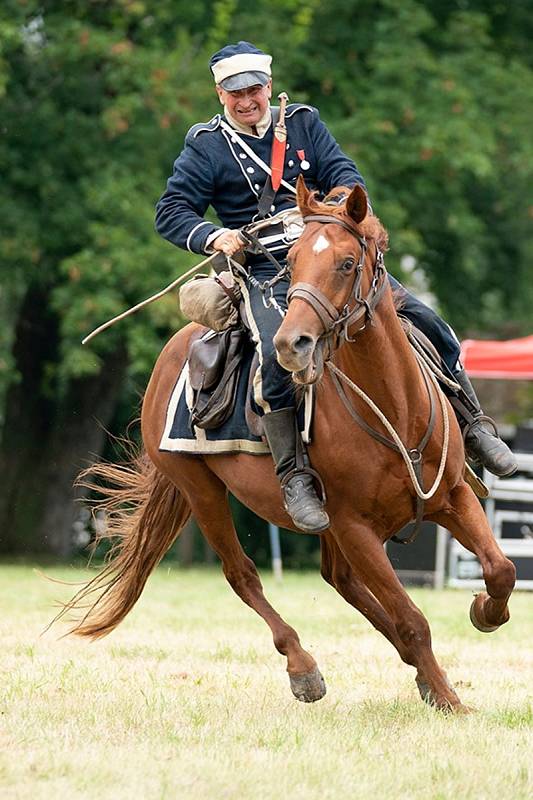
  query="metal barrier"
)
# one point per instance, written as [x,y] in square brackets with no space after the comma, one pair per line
[464,570]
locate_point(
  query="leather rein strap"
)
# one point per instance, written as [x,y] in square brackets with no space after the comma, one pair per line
[336,323]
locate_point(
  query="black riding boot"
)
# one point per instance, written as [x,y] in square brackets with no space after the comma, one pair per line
[300,498]
[482,443]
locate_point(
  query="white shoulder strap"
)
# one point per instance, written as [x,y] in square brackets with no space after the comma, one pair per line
[248,150]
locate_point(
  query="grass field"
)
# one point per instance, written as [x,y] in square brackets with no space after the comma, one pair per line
[188,699]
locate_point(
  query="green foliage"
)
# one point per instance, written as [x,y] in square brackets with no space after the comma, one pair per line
[436,117]
[91,125]
[432,99]
[97,98]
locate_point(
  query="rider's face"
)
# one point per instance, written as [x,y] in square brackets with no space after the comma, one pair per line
[248,105]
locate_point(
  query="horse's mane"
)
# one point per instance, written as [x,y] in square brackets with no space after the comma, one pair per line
[370,227]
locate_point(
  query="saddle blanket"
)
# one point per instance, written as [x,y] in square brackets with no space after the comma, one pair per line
[234,435]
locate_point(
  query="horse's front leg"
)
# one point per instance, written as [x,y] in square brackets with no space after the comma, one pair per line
[211,510]
[466,521]
[364,552]
[336,571]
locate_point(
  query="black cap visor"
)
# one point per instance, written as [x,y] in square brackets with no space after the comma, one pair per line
[243,80]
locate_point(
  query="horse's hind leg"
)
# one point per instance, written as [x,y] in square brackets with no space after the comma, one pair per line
[466,521]
[364,552]
[211,510]
[336,571]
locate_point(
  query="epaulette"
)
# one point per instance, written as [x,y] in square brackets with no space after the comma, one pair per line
[205,127]
[294,107]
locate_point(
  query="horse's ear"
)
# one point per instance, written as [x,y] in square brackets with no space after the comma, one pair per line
[357,204]
[302,195]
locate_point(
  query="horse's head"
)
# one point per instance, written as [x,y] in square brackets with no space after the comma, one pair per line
[335,281]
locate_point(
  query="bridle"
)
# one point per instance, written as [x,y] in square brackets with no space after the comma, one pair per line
[336,323]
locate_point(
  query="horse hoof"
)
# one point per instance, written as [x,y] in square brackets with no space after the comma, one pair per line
[424,690]
[309,687]
[475,609]
[461,709]
[450,705]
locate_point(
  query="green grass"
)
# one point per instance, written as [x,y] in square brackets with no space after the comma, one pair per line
[189,699]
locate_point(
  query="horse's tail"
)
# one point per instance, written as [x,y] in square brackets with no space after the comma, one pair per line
[143,514]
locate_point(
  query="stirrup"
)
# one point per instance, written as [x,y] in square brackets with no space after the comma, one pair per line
[487,448]
[304,470]
[480,418]
[305,508]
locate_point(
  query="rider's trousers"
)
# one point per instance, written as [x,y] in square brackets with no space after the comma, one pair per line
[436,329]
[273,388]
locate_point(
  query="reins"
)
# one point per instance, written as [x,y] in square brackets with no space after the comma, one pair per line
[335,324]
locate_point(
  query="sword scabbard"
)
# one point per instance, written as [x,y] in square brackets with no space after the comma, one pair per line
[278,144]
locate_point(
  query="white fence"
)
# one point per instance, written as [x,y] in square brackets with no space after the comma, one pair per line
[464,570]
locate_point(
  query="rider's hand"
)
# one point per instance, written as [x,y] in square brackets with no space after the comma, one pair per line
[228,243]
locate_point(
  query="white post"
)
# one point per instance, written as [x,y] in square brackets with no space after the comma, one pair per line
[275,549]
[440,558]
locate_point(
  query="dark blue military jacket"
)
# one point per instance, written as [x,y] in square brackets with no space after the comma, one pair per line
[214,170]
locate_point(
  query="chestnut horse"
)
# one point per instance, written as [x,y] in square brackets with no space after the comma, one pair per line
[370,494]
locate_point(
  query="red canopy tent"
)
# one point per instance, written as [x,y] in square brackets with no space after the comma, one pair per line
[512,360]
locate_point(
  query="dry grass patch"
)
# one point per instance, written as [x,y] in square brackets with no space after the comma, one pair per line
[188,699]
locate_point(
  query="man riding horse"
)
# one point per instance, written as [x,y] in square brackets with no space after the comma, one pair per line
[224,164]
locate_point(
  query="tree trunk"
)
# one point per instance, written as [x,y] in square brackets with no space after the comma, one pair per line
[26,425]
[45,443]
[77,438]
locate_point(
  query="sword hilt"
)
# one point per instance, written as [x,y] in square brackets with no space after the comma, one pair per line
[283,100]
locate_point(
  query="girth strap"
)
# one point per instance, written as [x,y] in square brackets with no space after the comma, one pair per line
[419,513]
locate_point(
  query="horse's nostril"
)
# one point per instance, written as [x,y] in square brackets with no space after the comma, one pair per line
[302,344]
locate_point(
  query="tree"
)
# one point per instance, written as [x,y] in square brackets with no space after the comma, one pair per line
[431,99]
[90,121]
[434,104]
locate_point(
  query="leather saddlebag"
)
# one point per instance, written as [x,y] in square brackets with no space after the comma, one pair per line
[211,301]
[214,369]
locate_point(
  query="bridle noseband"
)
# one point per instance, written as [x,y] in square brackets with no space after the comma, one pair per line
[335,322]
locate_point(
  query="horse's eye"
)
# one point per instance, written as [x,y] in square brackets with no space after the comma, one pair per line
[347,264]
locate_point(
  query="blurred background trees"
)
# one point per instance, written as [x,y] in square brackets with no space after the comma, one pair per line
[432,99]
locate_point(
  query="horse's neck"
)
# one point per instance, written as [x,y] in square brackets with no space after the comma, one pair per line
[382,363]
